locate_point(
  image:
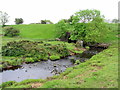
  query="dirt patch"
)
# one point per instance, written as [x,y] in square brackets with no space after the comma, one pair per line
[36,85]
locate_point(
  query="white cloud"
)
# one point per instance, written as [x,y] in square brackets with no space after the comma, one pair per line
[54,10]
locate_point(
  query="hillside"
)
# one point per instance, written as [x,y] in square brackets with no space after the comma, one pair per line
[36,31]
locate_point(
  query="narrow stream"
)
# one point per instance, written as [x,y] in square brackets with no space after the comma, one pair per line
[44,69]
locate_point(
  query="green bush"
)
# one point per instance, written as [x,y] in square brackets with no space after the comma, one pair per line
[54,57]
[11,32]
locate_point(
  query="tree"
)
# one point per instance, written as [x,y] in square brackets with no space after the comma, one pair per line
[115,21]
[85,16]
[62,28]
[3,18]
[18,20]
[89,26]
[46,22]
[43,22]
[86,25]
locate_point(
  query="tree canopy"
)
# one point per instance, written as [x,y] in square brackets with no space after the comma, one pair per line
[18,20]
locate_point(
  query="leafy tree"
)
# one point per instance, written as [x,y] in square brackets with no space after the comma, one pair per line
[3,18]
[18,20]
[89,26]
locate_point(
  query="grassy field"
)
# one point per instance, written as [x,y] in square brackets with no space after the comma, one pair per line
[36,31]
[101,71]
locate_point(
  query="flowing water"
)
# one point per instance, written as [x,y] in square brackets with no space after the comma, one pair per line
[44,69]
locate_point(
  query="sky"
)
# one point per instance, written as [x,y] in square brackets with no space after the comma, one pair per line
[33,11]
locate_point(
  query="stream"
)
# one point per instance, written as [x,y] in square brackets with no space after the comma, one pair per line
[44,69]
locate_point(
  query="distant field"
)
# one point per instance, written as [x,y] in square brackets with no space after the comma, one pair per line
[36,31]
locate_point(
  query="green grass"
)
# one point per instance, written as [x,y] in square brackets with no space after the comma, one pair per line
[36,31]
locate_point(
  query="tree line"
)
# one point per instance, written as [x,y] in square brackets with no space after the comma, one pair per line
[4,18]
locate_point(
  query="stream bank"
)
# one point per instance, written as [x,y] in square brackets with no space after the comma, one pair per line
[44,69]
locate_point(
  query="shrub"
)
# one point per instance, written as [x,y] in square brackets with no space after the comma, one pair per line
[11,32]
[54,57]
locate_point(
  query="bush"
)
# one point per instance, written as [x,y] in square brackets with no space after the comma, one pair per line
[11,32]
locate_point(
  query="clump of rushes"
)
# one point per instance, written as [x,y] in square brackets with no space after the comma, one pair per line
[77,62]
[87,47]
[54,57]
[6,84]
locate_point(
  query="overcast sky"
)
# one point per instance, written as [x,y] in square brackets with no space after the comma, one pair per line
[32,11]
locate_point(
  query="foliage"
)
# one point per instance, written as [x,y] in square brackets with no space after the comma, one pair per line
[27,60]
[115,21]
[54,57]
[11,32]
[11,62]
[18,20]
[92,25]
[3,18]
[85,16]
[46,22]
[62,27]
[31,51]
[84,25]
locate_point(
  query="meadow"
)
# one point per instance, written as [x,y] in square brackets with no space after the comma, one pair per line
[37,31]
